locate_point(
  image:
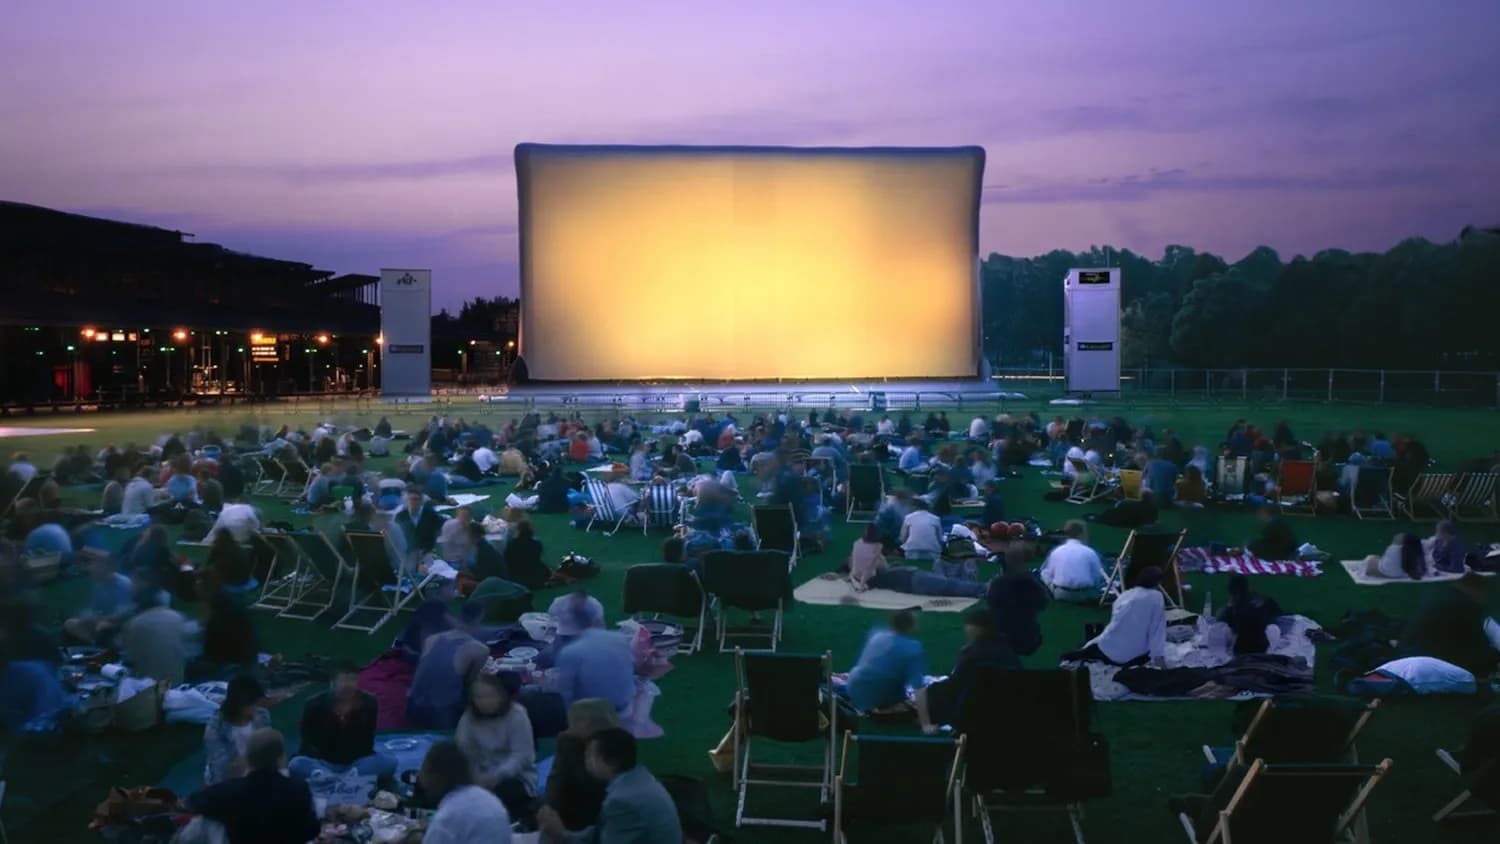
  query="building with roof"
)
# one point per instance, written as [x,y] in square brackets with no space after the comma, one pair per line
[109,310]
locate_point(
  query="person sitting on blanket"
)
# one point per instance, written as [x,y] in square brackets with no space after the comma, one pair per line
[1446,550]
[456,540]
[109,604]
[450,660]
[868,570]
[1192,492]
[418,522]
[921,533]
[573,613]
[226,736]
[636,806]
[1073,571]
[891,662]
[466,813]
[571,792]
[1016,600]
[1248,614]
[598,663]
[1137,629]
[495,734]
[1403,559]
[1276,540]
[263,806]
[1452,625]
[338,731]
[891,516]
[986,650]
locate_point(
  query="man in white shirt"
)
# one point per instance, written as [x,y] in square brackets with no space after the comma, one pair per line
[485,458]
[978,428]
[139,495]
[466,813]
[921,533]
[1137,629]
[885,427]
[1074,453]
[240,520]
[1073,571]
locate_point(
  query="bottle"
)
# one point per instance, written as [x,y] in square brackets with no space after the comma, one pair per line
[1206,617]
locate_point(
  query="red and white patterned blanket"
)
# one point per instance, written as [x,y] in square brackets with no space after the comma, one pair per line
[1199,559]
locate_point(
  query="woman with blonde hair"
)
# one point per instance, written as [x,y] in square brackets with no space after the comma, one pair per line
[571,790]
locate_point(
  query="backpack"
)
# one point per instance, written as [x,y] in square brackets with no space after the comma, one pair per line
[573,568]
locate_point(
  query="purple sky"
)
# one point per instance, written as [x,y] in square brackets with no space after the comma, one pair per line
[356,135]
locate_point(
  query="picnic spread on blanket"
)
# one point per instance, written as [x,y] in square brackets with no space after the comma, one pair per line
[1358,572]
[1200,665]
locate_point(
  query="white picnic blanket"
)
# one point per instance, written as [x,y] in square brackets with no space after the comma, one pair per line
[1356,570]
[832,589]
[462,499]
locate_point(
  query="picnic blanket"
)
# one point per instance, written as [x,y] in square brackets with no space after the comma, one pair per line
[1200,559]
[832,589]
[1356,570]
[1197,652]
[462,499]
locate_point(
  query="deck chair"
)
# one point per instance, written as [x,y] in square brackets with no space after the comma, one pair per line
[1145,548]
[785,699]
[775,527]
[1055,763]
[296,477]
[1297,486]
[324,569]
[601,506]
[1474,498]
[1229,478]
[1371,497]
[1429,494]
[376,591]
[1478,767]
[1130,484]
[281,578]
[668,589]
[899,781]
[663,509]
[1086,485]
[21,491]
[1299,728]
[866,491]
[755,581]
[1287,803]
[268,474]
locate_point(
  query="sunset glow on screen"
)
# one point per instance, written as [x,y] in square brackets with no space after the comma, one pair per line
[739,264]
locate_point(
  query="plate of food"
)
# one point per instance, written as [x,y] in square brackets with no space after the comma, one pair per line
[522,653]
[400,745]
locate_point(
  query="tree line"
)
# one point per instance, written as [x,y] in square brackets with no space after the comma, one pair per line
[1420,305]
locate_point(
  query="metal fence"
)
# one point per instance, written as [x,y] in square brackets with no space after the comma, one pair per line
[1367,386]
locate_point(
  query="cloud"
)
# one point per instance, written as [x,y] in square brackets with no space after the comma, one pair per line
[1138,187]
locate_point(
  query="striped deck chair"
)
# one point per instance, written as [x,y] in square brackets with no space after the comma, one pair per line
[866,491]
[662,507]
[376,591]
[601,506]
[1144,548]
[1229,478]
[1297,486]
[1130,484]
[323,570]
[1474,498]
[1372,497]
[1429,494]
[1087,485]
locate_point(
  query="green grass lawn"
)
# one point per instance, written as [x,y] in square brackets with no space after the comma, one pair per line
[1154,745]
